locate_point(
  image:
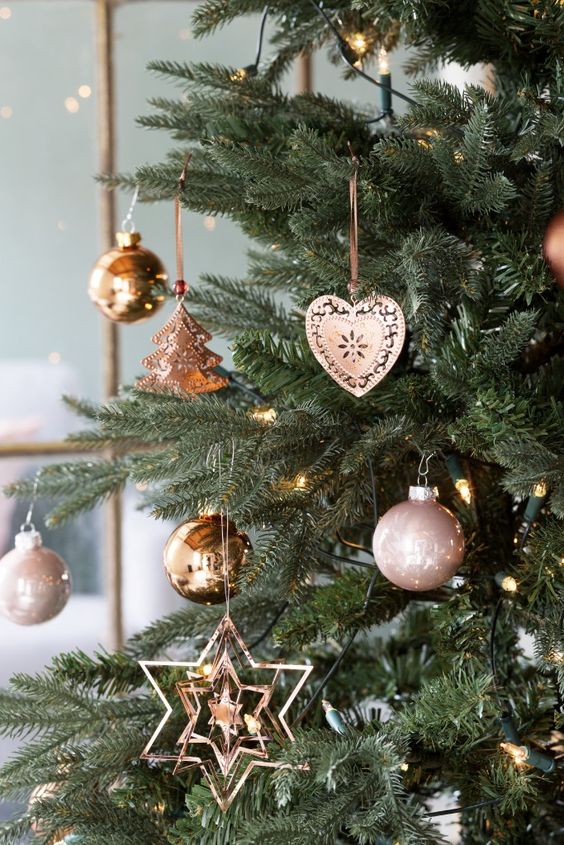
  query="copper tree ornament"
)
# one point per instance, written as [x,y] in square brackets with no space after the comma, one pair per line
[182,363]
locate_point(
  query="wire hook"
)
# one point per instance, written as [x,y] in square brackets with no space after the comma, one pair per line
[422,473]
[128,219]
[28,524]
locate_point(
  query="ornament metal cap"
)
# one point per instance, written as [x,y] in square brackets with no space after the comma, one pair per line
[28,538]
[127,239]
[423,494]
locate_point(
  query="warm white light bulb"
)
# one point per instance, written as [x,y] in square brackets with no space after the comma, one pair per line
[383,63]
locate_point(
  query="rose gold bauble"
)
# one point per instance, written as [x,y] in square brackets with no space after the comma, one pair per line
[35,583]
[193,558]
[553,246]
[128,283]
[418,544]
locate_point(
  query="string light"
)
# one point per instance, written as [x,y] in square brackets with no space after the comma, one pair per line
[84,91]
[383,63]
[72,105]
[404,767]
[358,42]
[6,112]
[207,669]
[524,754]
[253,725]
[264,414]
[555,656]
[509,584]
[463,487]
[461,483]
[5,13]
[334,717]
[239,75]
[209,223]
[300,482]
[517,752]
[540,489]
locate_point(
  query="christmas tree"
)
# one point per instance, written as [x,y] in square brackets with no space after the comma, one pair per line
[445,699]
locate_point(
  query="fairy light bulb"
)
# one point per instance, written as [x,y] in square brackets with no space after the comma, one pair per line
[264,414]
[464,490]
[300,481]
[359,43]
[253,725]
[517,752]
[540,489]
[509,584]
[383,63]
[238,75]
[207,669]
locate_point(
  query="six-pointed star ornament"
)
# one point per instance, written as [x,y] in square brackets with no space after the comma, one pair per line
[226,716]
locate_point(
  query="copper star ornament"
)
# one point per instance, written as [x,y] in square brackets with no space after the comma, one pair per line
[240,723]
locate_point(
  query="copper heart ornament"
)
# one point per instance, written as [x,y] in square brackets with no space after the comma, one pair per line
[356,344]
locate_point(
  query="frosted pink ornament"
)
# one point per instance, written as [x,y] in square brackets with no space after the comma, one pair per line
[418,544]
[35,582]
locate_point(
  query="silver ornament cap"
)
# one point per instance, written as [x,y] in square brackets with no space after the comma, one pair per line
[423,494]
[28,539]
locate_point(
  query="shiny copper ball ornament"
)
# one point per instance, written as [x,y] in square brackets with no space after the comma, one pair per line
[553,246]
[128,283]
[193,558]
[418,544]
[35,582]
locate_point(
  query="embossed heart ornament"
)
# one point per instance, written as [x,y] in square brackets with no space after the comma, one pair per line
[357,344]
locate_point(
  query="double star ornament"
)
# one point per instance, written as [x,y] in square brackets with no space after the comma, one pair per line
[358,343]
[230,722]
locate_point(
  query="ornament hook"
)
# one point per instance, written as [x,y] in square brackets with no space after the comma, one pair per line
[180,287]
[353,224]
[423,469]
[28,525]
[127,223]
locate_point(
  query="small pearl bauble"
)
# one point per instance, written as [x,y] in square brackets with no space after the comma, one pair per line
[419,544]
[193,558]
[35,582]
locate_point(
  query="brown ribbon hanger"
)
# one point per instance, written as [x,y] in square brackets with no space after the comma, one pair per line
[353,224]
[181,287]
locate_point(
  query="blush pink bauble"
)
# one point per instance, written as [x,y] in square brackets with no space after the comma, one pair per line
[418,544]
[35,582]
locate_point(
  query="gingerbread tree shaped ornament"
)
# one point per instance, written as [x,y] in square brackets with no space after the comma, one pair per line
[182,363]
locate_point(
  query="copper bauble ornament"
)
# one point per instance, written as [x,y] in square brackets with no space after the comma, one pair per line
[553,246]
[35,582]
[418,544]
[128,282]
[194,560]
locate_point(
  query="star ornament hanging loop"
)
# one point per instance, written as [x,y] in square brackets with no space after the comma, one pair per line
[230,721]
